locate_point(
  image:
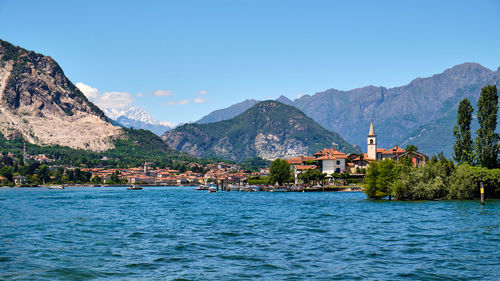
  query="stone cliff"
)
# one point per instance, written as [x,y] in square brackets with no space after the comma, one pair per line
[40,104]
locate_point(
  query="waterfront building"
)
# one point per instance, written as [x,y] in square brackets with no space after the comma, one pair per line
[377,154]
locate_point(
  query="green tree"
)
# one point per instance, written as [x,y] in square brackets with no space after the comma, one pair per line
[280,171]
[371,181]
[487,146]
[463,146]
[115,178]
[411,148]
[43,174]
[380,177]
[58,177]
[6,172]
[96,179]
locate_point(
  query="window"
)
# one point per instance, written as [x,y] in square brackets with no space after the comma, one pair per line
[338,162]
[371,141]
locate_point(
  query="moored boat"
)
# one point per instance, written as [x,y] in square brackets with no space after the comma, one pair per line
[212,189]
[134,187]
[202,187]
[56,186]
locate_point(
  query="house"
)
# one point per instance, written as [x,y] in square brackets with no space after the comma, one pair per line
[19,180]
[298,169]
[417,158]
[331,161]
[328,161]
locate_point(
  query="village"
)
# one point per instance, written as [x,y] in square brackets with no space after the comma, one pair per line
[334,168]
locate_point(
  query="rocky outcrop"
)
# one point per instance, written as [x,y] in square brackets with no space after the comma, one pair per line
[40,104]
[268,130]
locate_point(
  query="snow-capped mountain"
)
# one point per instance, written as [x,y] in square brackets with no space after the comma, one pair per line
[137,118]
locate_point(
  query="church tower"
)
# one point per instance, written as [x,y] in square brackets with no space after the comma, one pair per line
[372,143]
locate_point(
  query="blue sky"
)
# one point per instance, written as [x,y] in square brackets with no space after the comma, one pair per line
[165,55]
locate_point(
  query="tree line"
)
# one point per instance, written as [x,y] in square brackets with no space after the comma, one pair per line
[476,160]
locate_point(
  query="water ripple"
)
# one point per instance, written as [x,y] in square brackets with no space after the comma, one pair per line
[182,234]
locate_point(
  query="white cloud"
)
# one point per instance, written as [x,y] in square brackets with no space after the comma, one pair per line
[203,92]
[105,100]
[167,123]
[115,100]
[140,94]
[198,100]
[162,93]
[179,102]
[89,92]
[299,95]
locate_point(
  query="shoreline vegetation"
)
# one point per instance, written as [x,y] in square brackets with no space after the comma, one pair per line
[441,179]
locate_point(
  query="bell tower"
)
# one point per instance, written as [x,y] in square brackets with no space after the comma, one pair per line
[372,142]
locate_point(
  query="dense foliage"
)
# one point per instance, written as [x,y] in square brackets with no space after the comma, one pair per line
[311,176]
[280,172]
[487,146]
[437,179]
[463,150]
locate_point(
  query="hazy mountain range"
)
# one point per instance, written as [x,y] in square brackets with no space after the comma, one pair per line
[268,130]
[136,117]
[422,112]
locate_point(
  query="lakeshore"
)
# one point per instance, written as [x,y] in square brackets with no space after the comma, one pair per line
[262,188]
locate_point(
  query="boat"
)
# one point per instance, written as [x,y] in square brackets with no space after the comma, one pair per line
[55,186]
[212,189]
[254,188]
[202,187]
[134,187]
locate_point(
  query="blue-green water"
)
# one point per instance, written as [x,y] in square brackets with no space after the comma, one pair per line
[179,233]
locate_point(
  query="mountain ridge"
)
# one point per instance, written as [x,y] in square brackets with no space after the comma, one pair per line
[398,111]
[267,130]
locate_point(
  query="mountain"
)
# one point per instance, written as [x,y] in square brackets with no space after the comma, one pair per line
[285,100]
[228,113]
[137,118]
[267,130]
[401,115]
[41,105]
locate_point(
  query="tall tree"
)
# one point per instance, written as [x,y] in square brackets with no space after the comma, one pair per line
[487,146]
[280,171]
[463,150]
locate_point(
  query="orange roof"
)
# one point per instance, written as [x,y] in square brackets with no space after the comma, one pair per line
[308,158]
[305,167]
[329,151]
[394,150]
[331,157]
[295,160]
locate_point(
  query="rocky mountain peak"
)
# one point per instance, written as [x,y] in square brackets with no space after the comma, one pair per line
[284,100]
[269,130]
[39,103]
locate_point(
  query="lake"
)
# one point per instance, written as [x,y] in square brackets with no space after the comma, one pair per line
[177,233]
